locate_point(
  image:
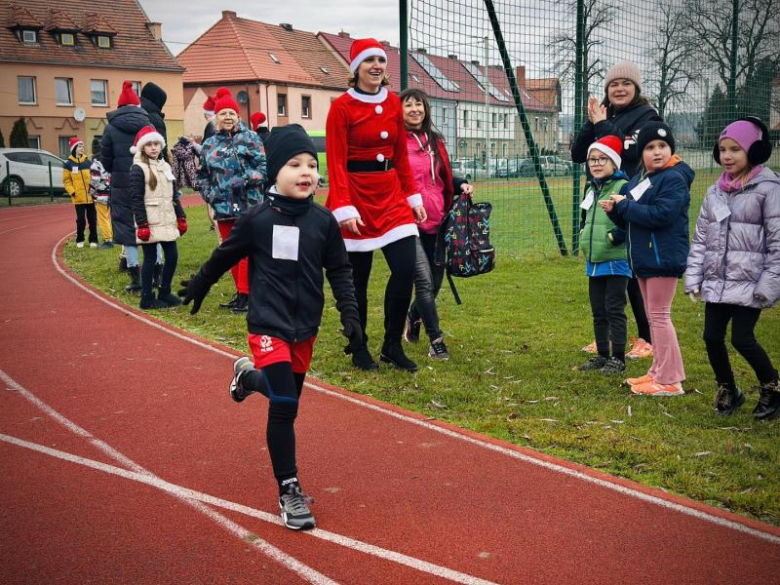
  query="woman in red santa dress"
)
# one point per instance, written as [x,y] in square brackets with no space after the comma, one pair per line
[373,195]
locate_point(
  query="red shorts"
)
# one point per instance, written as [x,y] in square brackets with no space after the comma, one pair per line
[269,350]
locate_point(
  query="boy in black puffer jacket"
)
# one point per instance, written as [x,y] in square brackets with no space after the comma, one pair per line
[290,240]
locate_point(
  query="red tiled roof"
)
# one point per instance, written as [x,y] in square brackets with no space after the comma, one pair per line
[59,20]
[238,49]
[312,55]
[132,47]
[95,23]
[20,17]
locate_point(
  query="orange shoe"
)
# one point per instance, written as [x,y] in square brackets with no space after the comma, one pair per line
[640,350]
[590,348]
[647,378]
[656,389]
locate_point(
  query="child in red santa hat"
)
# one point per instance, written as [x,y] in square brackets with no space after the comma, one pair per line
[76,178]
[372,193]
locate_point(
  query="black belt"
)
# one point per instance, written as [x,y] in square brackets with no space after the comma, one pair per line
[369,166]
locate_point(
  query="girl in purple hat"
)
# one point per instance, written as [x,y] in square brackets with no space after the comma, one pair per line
[734,262]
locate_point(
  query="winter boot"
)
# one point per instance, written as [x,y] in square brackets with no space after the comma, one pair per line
[242,304]
[122,264]
[393,353]
[231,303]
[768,406]
[171,300]
[728,400]
[135,280]
[152,303]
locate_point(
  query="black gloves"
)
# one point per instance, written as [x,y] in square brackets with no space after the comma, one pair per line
[195,290]
[352,331]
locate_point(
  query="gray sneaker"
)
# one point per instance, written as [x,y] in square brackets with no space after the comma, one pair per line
[294,508]
[594,363]
[438,351]
[240,367]
[613,366]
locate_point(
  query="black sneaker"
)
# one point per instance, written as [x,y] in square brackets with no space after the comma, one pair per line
[362,360]
[242,304]
[153,303]
[106,245]
[230,304]
[412,330]
[168,298]
[613,367]
[240,367]
[594,363]
[393,353]
[294,507]
[728,400]
[438,351]
[768,406]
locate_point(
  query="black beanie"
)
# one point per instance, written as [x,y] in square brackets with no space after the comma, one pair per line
[155,94]
[654,131]
[283,143]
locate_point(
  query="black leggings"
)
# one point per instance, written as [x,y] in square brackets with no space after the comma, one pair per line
[85,213]
[150,259]
[608,304]
[283,388]
[743,324]
[638,308]
[400,257]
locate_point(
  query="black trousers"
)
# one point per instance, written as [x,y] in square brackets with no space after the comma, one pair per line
[608,304]
[743,325]
[85,212]
[400,257]
[171,253]
[638,308]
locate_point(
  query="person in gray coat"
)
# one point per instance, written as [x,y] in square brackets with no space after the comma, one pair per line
[734,262]
[123,124]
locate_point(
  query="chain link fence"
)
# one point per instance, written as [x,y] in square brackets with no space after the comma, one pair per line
[509,82]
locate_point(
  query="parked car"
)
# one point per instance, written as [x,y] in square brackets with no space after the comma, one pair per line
[555,166]
[24,170]
[469,169]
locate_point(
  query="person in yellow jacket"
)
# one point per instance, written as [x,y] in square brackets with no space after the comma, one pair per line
[76,179]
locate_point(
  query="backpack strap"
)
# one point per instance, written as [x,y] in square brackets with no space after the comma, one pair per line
[454,290]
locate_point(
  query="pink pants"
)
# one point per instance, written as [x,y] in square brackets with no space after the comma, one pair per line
[240,271]
[658,293]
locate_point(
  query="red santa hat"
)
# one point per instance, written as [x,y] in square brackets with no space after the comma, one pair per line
[223,100]
[74,142]
[361,50]
[612,146]
[258,119]
[208,106]
[128,97]
[146,135]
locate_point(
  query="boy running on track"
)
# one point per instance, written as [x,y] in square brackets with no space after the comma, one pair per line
[290,241]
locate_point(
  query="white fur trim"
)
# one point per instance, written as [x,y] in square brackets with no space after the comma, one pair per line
[145,139]
[363,55]
[414,200]
[369,244]
[345,213]
[377,98]
[613,156]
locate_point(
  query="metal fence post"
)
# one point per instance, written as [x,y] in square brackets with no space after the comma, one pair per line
[51,185]
[403,8]
[579,99]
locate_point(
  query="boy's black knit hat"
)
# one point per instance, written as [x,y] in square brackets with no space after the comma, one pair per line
[654,131]
[283,143]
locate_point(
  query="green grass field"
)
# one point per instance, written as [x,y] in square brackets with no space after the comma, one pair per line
[515,346]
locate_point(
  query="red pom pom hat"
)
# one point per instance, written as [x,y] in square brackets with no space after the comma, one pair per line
[128,97]
[223,100]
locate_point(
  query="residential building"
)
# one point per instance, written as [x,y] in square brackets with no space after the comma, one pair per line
[287,74]
[64,64]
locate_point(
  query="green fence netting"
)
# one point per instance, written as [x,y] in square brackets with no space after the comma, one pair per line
[505,79]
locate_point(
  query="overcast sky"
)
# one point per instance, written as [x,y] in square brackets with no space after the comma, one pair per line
[185,20]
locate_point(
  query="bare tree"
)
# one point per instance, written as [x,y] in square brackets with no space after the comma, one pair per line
[672,55]
[709,26]
[598,14]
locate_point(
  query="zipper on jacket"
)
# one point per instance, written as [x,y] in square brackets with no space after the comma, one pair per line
[654,247]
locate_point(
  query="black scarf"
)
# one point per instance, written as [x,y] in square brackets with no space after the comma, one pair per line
[288,205]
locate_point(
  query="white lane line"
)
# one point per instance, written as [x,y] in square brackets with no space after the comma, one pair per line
[189,494]
[287,561]
[626,491]
[31,225]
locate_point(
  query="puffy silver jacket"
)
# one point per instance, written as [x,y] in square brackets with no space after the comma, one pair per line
[735,254]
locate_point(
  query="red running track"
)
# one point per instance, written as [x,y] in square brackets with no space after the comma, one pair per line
[123,460]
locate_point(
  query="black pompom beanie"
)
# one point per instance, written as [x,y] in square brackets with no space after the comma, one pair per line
[654,131]
[283,143]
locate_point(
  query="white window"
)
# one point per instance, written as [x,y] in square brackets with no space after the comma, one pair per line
[104,42]
[494,120]
[68,39]
[506,121]
[34,141]
[64,143]
[503,149]
[444,116]
[324,70]
[136,85]
[63,91]
[465,118]
[98,89]
[30,36]
[281,104]
[305,106]
[274,58]
[27,93]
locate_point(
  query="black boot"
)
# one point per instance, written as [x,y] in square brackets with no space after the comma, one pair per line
[393,353]
[171,300]
[768,406]
[242,304]
[152,303]
[157,276]
[231,303]
[362,360]
[122,264]
[135,280]
[728,400]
